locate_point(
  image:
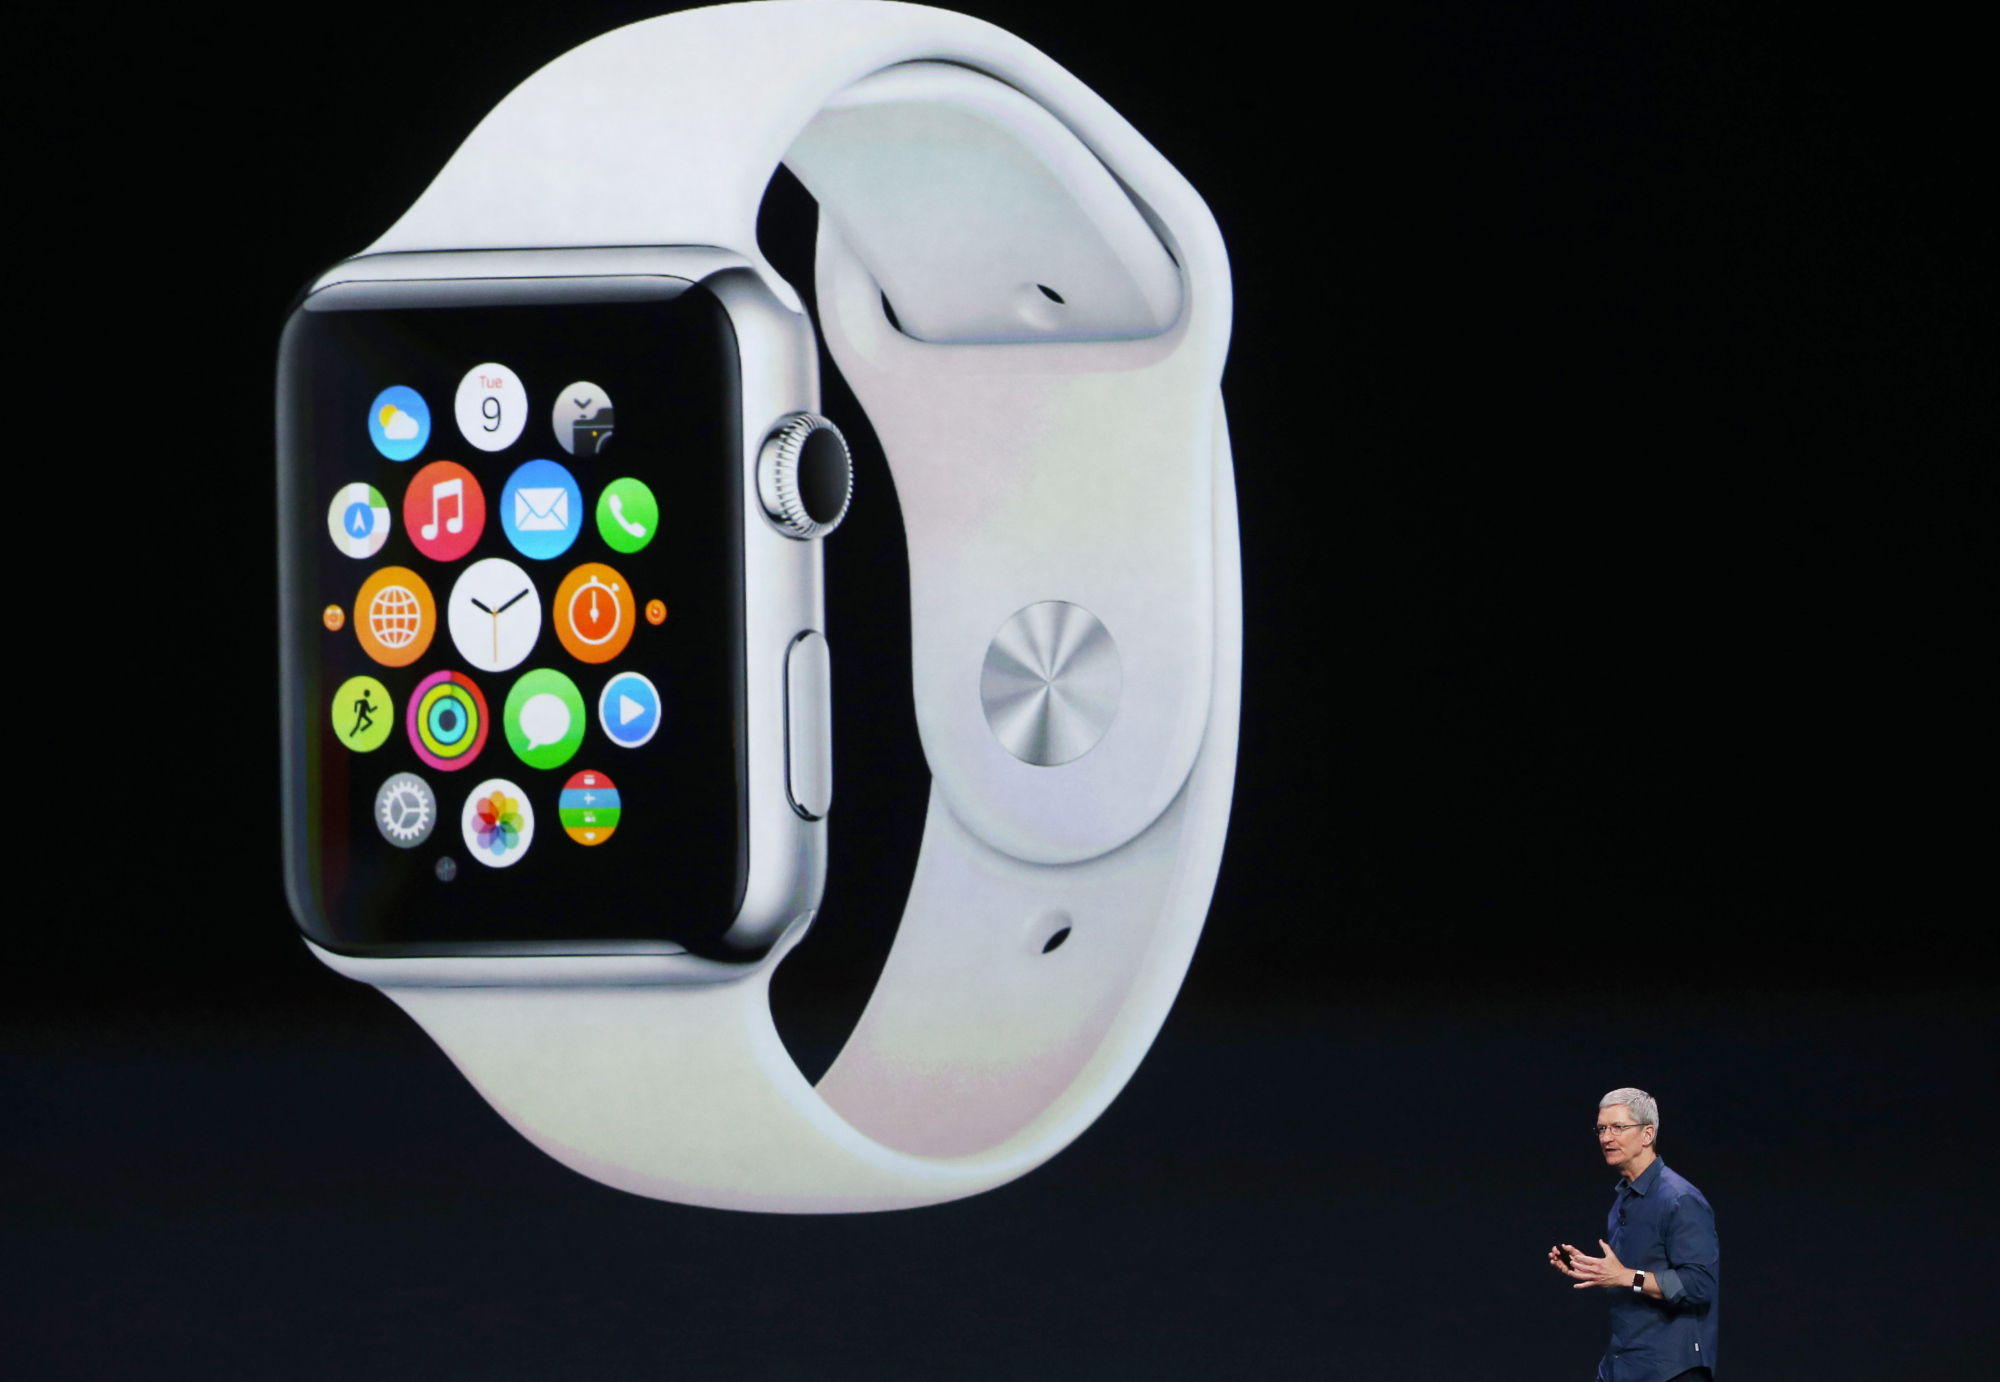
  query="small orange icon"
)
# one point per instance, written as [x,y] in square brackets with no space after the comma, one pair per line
[656,611]
[594,612]
[334,617]
[395,616]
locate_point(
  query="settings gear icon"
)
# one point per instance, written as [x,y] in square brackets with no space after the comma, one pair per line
[405,810]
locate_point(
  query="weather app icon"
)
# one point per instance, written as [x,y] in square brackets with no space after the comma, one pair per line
[358,520]
[541,510]
[629,710]
[399,422]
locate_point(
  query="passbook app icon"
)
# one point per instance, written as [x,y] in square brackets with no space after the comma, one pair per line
[444,510]
[541,509]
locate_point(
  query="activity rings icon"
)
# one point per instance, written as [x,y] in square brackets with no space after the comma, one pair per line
[447,720]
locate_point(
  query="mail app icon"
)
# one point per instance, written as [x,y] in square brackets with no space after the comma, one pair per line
[541,510]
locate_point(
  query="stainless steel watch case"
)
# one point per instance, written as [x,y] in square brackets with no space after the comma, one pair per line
[783,586]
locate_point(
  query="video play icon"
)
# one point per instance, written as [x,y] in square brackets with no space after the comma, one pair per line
[629,710]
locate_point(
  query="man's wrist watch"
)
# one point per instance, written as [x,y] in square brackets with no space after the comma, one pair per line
[556,707]
[1639,1282]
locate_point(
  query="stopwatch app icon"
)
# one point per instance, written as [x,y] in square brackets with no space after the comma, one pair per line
[447,720]
[594,612]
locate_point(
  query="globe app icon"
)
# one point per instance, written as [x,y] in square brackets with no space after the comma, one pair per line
[395,616]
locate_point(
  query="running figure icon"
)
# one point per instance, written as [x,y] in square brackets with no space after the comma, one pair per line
[364,714]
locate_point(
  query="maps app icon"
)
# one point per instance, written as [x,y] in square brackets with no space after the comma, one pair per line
[589,807]
[358,520]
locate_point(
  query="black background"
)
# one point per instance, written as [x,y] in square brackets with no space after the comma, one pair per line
[1610,391]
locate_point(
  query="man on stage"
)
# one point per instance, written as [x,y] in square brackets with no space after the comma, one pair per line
[1661,1263]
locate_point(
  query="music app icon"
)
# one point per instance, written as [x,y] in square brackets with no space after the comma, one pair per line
[444,510]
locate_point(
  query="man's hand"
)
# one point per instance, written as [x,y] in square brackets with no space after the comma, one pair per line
[1591,1271]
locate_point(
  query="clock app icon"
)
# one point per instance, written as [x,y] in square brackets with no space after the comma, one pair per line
[494,614]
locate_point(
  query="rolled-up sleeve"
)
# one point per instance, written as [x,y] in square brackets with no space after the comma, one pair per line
[1688,1282]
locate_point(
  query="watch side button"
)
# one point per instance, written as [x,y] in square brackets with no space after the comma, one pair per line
[809,725]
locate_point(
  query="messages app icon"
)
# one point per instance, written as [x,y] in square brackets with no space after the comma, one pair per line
[399,422]
[541,510]
[545,718]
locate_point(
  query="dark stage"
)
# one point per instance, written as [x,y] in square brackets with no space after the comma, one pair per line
[1611,396]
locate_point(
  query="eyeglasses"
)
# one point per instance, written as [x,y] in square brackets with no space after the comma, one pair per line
[1620,1128]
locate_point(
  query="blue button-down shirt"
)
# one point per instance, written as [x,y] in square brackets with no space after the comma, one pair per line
[1661,1224]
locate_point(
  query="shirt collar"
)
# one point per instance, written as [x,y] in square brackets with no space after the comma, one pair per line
[1644,1182]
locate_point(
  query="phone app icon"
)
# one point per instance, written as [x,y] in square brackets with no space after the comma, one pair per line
[406,810]
[582,419]
[399,422]
[444,510]
[491,407]
[363,714]
[629,710]
[447,720]
[494,615]
[589,808]
[395,616]
[594,613]
[541,509]
[498,823]
[358,520]
[627,515]
[545,718]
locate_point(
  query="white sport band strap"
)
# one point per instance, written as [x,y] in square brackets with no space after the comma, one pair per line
[1051,413]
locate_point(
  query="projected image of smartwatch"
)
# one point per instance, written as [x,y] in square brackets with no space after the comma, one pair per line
[557,779]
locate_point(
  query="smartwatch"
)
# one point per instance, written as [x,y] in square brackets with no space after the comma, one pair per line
[556,712]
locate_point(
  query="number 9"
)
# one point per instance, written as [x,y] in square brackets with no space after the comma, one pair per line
[490,406]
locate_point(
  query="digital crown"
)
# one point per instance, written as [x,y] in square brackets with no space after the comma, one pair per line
[805,476]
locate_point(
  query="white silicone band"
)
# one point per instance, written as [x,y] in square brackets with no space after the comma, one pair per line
[1080,454]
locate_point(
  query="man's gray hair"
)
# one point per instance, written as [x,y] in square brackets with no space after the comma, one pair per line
[1644,1108]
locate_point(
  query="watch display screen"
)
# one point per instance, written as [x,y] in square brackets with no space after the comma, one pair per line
[511,586]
